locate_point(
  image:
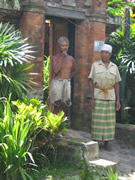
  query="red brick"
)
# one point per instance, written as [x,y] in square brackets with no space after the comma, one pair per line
[33,24]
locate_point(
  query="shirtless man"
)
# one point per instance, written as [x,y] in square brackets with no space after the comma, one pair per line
[63,67]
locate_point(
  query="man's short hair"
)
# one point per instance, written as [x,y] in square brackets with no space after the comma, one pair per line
[62,39]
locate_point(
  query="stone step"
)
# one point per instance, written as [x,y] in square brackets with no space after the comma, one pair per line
[102,163]
[85,150]
[91,150]
[79,144]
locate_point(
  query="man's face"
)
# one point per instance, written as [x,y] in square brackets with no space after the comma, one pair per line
[105,55]
[64,46]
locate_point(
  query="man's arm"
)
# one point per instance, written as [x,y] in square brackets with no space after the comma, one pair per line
[92,93]
[57,64]
[73,71]
[116,86]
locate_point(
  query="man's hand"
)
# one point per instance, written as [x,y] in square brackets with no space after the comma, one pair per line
[117,105]
[92,103]
[64,53]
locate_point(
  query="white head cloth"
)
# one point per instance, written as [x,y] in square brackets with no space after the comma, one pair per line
[107,47]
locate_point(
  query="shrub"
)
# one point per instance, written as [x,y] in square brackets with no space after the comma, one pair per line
[15,145]
[46,72]
[14,52]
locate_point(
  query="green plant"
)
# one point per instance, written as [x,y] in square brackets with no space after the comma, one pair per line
[46,72]
[116,7]
[14,51]
[55,124]
[111,175]
[14,80]
[33,110]
[92,173]
[47,124]
[124,56]
[53,165]
[15,145]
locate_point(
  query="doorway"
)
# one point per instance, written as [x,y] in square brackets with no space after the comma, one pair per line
[54,28]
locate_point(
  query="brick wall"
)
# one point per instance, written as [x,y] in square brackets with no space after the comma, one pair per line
[86,32]
[32,25]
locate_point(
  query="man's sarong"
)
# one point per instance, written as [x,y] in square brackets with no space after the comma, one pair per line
[103,120]
[60,89]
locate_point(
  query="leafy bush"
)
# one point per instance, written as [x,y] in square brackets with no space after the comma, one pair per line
[36,112]
[94,173]
[15,145]
[19,128]
[123,49]
[47,125]
[116,7]
[14,51]
[46,72]
[31,109]
[124,56]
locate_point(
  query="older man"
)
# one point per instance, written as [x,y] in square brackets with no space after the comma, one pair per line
[104,87]
[63,70]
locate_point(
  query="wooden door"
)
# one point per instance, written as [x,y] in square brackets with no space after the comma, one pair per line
[57,29]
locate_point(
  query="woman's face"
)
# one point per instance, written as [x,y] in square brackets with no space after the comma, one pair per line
[105,56]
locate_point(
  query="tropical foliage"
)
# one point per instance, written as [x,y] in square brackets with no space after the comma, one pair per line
[46,72]
[124,56]
[50,124]
[14,52]
[21,123]
[116,7]
[15,144]
[123,49]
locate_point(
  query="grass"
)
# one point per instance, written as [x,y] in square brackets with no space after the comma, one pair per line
[63,169]
[54,170]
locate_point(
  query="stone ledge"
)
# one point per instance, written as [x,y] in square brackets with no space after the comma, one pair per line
[69,3]
[103,163]
[63,12]
[89,149]
[33,7]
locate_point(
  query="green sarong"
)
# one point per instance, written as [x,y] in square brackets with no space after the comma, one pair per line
[103,120]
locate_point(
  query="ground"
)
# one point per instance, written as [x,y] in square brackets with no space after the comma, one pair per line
[124,157]
[123,151]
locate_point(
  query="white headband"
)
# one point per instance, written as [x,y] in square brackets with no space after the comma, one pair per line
[107,47]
